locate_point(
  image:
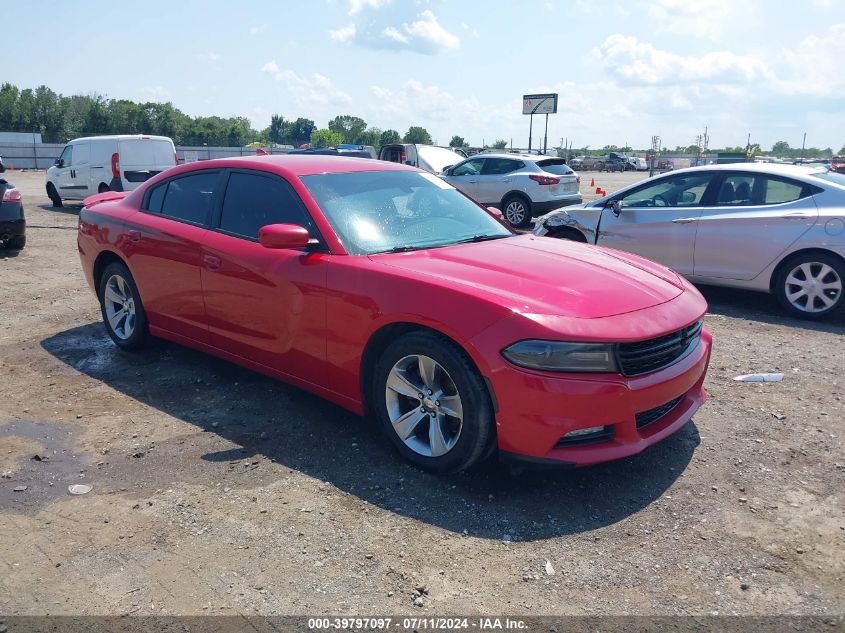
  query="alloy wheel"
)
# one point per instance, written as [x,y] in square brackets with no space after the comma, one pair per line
[515,212]
[813,287]
[424,405]
[119,304]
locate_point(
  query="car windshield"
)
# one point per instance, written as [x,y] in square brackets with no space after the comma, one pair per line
[831,176]
[384,211]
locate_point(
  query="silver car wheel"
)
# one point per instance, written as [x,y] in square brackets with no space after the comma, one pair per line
[813,287]
[119,304]
[515,212]
[424,405]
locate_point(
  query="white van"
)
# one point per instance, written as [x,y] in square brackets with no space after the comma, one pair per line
[429,157]
[95,164]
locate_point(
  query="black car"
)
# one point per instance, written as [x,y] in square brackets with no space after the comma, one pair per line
[12,222]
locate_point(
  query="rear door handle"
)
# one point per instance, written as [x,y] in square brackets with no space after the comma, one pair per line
[212,262]
[134,236]
[684,220]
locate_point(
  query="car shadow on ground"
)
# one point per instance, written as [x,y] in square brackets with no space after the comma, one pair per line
[262,417]
[762,307]
[69,208]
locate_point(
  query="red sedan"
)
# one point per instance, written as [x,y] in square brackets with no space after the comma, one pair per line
[383,289]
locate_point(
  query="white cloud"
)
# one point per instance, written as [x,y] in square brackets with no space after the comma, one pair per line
[420,33]
[343,34]
[315,90]
[270,67]
[356,6]
[701,18]
[155,93]
[814,67]
[255,30]
[636,62]
[209,56]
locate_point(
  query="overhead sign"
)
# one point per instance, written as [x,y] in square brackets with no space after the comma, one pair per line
[539,104]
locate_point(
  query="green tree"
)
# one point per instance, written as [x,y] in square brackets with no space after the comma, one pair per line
[781,148]
[8,105]
[841,150]
[326,138]
[277,129]
[388,137]
[416,134]
[300,132]
[457,141]
[349,127]
[499,144]
[371,136]
[692,149]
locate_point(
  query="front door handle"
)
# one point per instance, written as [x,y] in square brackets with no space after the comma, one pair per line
[684,220]
[212,262]
[798,215]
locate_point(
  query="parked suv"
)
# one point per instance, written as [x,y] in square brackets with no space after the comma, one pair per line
[95,164]
[521,185]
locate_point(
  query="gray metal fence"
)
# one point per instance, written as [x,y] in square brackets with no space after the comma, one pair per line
[43,155]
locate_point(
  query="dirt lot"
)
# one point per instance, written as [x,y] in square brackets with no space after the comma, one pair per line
[219,491]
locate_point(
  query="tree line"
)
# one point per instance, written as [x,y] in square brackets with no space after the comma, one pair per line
[59,118]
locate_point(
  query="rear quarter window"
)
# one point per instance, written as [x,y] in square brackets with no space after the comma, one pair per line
[188,198]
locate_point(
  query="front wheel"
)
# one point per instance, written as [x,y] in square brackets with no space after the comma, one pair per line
[122,309]
[810,286]
[433,404]
[517,211]
[54,196]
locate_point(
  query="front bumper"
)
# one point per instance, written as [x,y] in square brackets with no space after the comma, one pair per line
[537,409]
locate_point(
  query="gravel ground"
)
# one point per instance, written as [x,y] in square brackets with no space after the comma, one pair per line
[219,491]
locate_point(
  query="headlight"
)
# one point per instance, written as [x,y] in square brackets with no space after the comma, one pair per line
[559,356]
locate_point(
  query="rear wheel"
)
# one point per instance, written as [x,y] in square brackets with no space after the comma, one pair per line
[811,286]
[16,243]
[517,211]
[432,403]
[122,309]
[54,196]
[103,188]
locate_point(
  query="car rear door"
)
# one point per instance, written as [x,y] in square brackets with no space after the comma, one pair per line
[755,218]
[464,176]
[658,219]
[162,244]
[265,305]
[497,178]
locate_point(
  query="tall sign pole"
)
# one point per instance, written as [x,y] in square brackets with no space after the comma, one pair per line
[539,104]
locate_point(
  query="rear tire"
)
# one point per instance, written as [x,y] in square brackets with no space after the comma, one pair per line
[811,286]
[432,403]
[16,243]
[517,211]
[122,309]
[103,188]
[54,196]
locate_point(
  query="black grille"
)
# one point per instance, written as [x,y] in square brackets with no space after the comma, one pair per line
[653,415]
[580,440]
[648,356]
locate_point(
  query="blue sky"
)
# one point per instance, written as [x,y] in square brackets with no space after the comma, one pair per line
[624,70]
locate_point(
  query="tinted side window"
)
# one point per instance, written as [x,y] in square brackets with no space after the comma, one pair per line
[253,201]
[782,191]
[469,168]
[189,198]
[156,197]
[756,189]
[498,166]
[674,191]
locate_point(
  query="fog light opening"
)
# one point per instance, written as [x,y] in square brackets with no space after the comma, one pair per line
[586,436]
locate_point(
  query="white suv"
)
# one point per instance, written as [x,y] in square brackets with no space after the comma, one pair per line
[522,186]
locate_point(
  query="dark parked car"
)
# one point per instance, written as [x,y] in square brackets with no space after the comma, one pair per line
[12,222]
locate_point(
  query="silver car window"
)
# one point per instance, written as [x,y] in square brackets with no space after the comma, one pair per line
[676,191]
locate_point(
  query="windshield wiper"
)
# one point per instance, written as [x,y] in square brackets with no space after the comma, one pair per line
[404,248]
[481,238]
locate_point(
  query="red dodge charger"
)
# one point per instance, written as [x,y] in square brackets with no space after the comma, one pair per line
[385,290]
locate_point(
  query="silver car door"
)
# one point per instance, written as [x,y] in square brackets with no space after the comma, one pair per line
[658,220]
[740,237]
[497,179]
[464,176]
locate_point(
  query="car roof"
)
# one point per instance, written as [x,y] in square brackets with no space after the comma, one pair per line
[299,164]
[531,157]
[795,171]
[122,137]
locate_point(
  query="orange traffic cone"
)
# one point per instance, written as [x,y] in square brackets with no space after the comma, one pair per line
[598,190]
[592,182]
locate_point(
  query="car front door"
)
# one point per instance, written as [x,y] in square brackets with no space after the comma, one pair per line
[755,218]
[266,305]
[496,179]
[464,176]
[162,244]
[64,174]
[658,219]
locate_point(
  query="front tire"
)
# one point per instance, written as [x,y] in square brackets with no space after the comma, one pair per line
[122,309]
[517,211]
[811,286]
[433,404]
[54,196]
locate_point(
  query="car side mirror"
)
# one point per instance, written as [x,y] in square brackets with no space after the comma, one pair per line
[447,170]
[283,236]
[615,206]
[687,197]
[59,163]
[496,213]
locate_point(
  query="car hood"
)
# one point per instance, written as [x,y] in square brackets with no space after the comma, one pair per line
[535,275]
